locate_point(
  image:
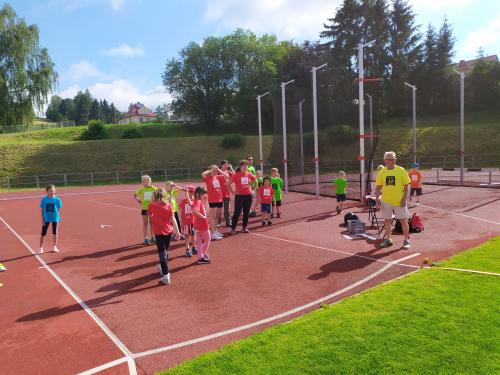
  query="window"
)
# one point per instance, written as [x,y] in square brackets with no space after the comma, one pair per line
[141,119]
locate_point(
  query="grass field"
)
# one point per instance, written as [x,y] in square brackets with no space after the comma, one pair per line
[431,322]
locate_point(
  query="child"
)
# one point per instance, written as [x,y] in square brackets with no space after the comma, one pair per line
[214,178]
[266,194]
[144,196]
[200,224]
[243,192]
[172,191]
[187,220]
[226,192]
[277,185]
[340,190]
[416,178]
[163,222]
[50,206]
[260,180]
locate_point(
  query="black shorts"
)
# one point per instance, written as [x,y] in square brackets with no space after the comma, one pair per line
[215,205]
[45,226]
[144,212]
[277,203]
[415,190]
[340,197]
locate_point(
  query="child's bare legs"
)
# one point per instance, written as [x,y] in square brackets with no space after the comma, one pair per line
[145,221]
[150,227]
[218,217]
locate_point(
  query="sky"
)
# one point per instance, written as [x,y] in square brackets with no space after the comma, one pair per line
[118,48]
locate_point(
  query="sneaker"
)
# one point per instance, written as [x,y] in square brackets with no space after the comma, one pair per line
[338,210]
[204,260]
[272,215]
[278,215]
[182,237]
[252,214]
[56,250]
[245,230]
[146,242]
[387,243]
[233,232]
[41,250]
[215,237]
[165,279]
[152,240]
[418,203]
[194,250]
[406,245]
[263,223]
[159,269]
[189,254]
[269,222]
[219,234]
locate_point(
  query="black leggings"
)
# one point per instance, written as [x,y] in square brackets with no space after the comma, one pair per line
[162,243]
[45,226]
[241,202]
[176,215]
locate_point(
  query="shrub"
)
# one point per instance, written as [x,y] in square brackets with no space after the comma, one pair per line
[95,130]
[132,133]
[233,141]
[342,134]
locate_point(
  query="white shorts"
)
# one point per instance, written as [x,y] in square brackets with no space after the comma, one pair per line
[400,213]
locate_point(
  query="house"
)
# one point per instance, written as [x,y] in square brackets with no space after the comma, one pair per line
[467,66]
[137,113]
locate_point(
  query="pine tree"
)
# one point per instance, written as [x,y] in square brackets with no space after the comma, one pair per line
[107,115]
[95,113]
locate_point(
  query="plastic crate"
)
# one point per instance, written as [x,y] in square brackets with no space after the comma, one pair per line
[355,226]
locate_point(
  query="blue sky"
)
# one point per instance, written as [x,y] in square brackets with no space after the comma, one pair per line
[118,48]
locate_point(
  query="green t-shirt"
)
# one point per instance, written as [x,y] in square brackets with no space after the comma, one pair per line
[145,194]
[251,169]
[340,185]
[277,185]
[260,181]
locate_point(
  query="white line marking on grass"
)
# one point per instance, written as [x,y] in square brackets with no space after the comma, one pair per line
[114,205]
[459,214]
[67,194]
[100,323]
[272,318]
[335,251]
[105,366]
[466,270]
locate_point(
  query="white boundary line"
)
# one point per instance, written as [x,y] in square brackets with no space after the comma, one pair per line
[105,366]
[100,323]
[459,214]
[67,194]
[336,251]
[272,318]
[466,270]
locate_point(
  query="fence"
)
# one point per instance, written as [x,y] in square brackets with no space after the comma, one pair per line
[29,128]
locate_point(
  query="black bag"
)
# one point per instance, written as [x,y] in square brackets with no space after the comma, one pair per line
[398,228]
[350,216]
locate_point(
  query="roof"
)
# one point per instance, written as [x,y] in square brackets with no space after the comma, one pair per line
[138,109]
[466,66]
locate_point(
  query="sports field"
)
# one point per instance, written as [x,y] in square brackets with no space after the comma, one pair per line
[100,296]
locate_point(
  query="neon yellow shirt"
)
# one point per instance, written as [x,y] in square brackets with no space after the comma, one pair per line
[393,182]
[145,194]
[172,198]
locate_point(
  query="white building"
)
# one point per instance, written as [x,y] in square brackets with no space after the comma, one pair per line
[137,113]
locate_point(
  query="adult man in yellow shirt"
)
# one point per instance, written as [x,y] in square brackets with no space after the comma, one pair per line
[392,182]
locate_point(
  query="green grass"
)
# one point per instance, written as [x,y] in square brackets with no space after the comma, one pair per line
[430,322]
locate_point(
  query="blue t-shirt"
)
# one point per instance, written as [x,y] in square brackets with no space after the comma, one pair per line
[51,207]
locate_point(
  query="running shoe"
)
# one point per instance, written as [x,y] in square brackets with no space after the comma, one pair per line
[406,245]
[55,250]
[215,237]
[41,250]
[338,210]
[278,215]
[233,232]
[245,230]
[152,240]
[387,243]
[165,279]
[269,222]
[146,242]
[182,237]
[263,223]
[194,250]
[252,214]
[219,234]
[203,261]
[189,254]
[272,215]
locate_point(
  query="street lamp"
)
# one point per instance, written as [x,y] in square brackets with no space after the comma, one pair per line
[301,140]
[261,156]
[414,91]
[283,108]
[315,114]
[362,115]
[462,147]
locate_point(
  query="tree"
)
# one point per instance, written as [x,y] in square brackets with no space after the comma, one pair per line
[53,112]
[95,111]
[67,109]
[27,73]
[83,103]
[114,114]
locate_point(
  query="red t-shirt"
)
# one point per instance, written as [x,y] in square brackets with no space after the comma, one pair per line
[226,193]
[199,223]
[242,182]
[266,194]
[161,216]
[415,178]
[214,188]
[186,212]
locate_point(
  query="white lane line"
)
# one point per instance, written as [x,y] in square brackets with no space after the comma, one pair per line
[272,318]
[114,205]
[67,194]
[459,214]
[333,250]
[100,323]
[466,270]
[105,366]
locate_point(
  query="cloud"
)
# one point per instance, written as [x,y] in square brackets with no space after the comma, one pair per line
[124,50]
[433,5]
[483,37]
[73,5]
[122,92]
[117,4]
[83,69]
[288,19]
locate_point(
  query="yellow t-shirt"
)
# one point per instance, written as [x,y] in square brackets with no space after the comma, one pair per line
[145,194]
[172,198]
[393,182]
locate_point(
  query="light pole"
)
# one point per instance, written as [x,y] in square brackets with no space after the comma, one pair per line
[462,146]
[414,92]
[283,108]
[301,140]
[370,99]
[261,155]
[315,114]
[361,75]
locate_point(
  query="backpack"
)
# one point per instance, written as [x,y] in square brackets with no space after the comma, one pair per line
[416,224]
[350,216]
[398,228]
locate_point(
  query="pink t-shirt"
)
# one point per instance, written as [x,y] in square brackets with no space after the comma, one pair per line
[214,188]
[186,212]
[161,216]
[242,182]
[226,193]
[266,194]
[199,223]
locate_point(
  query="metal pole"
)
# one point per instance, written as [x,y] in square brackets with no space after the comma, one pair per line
[361,119]
[414,90]
[370,98]
[301,140]
[285,153]
[462,146]
[315,114]
[261,153]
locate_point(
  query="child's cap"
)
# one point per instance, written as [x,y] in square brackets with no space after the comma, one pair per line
[414,165]
[191,188]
